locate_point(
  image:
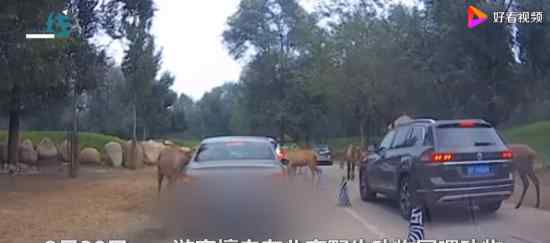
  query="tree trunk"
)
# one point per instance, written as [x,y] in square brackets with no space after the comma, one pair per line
[144,135]
[13,137]
[134,128]
[362,131]
[74,144]
[282,130]
[133,152]
[13,133]
[368,132]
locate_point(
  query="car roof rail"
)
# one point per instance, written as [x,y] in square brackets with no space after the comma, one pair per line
[415,121]
[424,120]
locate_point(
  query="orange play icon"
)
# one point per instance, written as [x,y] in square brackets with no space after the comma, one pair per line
[475,17]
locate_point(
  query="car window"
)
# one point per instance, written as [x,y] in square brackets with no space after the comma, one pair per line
[401,137]
[467,137]
[235,151]
[386,142]
[428,138]
[416,136]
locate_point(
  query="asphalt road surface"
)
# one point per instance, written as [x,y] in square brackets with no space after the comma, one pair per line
[282,210]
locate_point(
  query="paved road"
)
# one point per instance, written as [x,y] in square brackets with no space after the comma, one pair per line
[304,212]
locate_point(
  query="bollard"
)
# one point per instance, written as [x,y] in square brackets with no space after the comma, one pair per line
[343,196]
[416,225]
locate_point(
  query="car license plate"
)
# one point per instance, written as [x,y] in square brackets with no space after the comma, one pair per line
[478,170]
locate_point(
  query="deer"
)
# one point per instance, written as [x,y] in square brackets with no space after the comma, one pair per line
[352,156]
[303,157]
[523,162]
[171,163]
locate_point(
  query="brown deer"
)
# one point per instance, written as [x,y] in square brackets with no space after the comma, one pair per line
[523,162]
[303,157]
[172,161]
[352,157]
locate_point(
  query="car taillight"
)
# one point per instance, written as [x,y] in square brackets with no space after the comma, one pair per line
[441,157]
[430,157]
[506,154]
[467,123]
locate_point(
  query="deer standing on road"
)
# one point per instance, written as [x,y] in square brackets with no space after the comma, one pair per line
[303,157]
[172,161]
[523,162]
[352,157]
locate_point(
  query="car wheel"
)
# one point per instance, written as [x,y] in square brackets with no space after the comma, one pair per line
[491,207]
[405,198]
[364,190]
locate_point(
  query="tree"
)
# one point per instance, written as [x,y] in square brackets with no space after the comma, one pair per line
[132,20]
[31,70]
[159,107]
[272,31]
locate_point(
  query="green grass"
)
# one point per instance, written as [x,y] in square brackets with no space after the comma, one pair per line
[536,135]
[87,139]
[186,142]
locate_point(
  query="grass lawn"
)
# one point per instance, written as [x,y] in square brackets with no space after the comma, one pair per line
[186,142]
[536,135]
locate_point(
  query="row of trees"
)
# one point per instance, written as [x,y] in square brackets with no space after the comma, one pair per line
[51,83]
[350,67]
[346,69]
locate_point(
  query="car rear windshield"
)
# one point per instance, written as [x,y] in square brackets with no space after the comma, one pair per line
[321,147]
[235,151]
[453,137]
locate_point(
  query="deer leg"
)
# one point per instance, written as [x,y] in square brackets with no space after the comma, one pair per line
[536,182]
[160,178]
[353,170]
[348,170]
[525,182]
[291,170]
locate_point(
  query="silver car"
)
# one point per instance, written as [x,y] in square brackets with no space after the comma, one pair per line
[324,153]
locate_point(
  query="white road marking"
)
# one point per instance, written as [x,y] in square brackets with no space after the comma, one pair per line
[369,227]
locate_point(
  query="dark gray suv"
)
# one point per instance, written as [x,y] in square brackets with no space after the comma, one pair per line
[444,162]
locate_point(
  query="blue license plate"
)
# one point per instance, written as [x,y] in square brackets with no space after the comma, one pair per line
[478,170]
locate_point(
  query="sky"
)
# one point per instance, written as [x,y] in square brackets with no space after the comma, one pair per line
[190,35]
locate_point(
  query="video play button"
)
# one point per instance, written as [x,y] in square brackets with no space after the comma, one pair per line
[475,17]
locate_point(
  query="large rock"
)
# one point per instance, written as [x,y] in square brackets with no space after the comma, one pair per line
[89,155]
[138,160]
[64,153]
[113,153]
[27,154]
[151,150]
[46,149]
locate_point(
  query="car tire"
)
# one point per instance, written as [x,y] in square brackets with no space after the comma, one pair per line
[404,198]
[491,207]
[367,194]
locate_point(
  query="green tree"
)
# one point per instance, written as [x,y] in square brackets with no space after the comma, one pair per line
[159,107]
[32,71]
[132,20]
